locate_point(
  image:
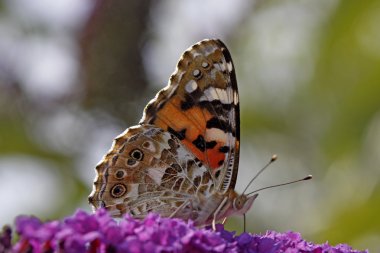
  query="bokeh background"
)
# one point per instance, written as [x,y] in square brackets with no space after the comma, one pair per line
[74,74]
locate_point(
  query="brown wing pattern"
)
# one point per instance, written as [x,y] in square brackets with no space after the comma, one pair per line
[148,169]
[200,106]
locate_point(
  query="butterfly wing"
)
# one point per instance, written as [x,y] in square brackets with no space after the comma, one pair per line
[200,106]
[183,157]
[149,169]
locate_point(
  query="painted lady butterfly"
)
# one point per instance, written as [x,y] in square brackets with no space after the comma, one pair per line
[182,159]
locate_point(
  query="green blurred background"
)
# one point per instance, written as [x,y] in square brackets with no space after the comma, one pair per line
[74,74]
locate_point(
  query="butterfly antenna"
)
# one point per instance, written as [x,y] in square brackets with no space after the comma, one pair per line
[273,158]
[277,185]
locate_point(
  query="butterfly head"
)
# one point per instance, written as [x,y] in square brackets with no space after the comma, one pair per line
[242,203]
[236,204]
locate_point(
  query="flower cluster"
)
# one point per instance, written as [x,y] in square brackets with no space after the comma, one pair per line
[99,233]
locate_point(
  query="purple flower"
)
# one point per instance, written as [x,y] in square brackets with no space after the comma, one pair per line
[5,239]
[289,242]
[99,233]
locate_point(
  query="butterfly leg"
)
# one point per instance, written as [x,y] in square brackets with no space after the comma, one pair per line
[224,220]
[179,208]
[216,213]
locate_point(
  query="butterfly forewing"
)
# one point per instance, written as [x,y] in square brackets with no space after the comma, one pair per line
[200,106]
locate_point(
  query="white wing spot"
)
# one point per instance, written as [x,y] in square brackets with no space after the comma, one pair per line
[236,98]
[222,94]
[196,73]
[156,174]
[220,67]
[213,93]
[217,134]
[229,66]
[191,86]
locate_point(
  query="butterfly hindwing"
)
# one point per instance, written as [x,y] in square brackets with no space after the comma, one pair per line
[200,106]
[148,170]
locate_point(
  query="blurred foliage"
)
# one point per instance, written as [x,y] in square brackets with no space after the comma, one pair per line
[329,121]
[348,75]
[358,221]
[347,86]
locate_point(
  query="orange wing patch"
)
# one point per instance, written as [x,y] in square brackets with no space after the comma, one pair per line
[190,127]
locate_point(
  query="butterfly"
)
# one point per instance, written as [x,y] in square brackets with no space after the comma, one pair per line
[182,159]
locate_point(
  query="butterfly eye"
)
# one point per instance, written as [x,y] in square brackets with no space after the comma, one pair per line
[137,154]
[120,174]
[239,202]
[118,190]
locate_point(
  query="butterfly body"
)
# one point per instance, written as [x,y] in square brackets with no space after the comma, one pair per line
[182,159]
